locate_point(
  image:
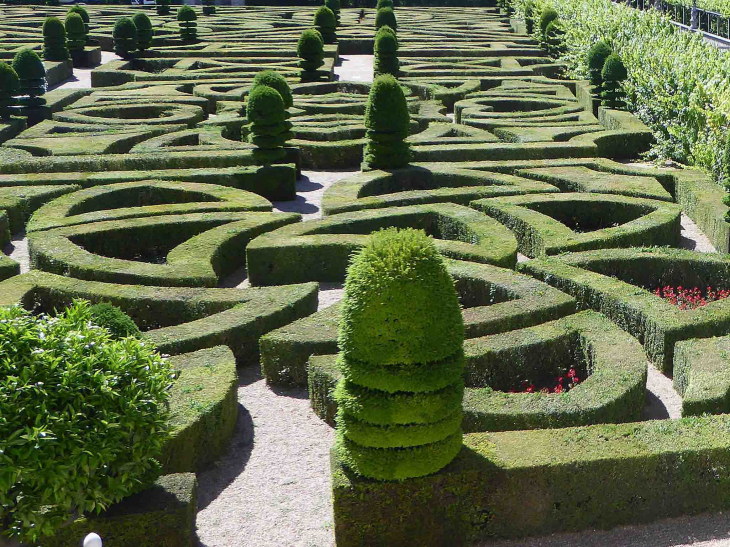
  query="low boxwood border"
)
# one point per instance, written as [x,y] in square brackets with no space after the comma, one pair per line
[702,375]
[19,202]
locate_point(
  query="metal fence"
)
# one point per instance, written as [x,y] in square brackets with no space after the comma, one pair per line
[706,21]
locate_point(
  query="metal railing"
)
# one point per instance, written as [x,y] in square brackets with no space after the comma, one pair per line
[693,17]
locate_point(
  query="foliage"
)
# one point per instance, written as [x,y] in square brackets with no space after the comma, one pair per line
[310,49]
[386,16]
[384,4]
[548,16]
[335,6]
[387,121]
[326,24]
[113,319]
[32,76]
[54,40]
[273,79]
[269,129]
[208,7]
[9,86]
[163,7]
[76,31]
[596,58]
[82,417]
[145,32]
[529,8]
[81,10]
[386,51]
[613,73]
[125,37]
[188,27]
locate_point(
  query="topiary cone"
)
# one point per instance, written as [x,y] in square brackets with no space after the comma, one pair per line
[76,32]
[386,16]
[268,129]
[388,122]
[326,24]
[386,50]
[335,6]
[125,37]
[401,356]
[32,76]
[595,60]
[145,32]
[310,49]
[54,40]
[273,79]
[9,86]
[614,72]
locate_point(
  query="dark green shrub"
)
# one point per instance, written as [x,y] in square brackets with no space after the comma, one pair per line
[529,15]
[335,6]
[548,16]
[268,129]
[273,79]
[125,37]
[554,36]
[386,51]
[384,4]
[386,16]
[163,7]
[113,319]
[208,7]
[326,24]
[81,10]
[145,32]
[400,317]
[53,2]
[387,122]
[188,27]
[613,73]
[54,40]
[9,86]
[76,32]
[83,416]
[595,60]
[32,76]
[310,49]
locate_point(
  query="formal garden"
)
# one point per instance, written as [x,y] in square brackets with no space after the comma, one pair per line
[390,275]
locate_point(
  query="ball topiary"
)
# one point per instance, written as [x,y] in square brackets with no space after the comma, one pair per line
[82,413]
[613,73]
[145,32]
[76,32]
[188,27]
[81,10]
[208,7]
[273,79]
[310,49]
[596,58]
[326,24]
[401,356]
[54,40]
[386,52]
[113,319]
[268,129]
[32,76]
[163,7]
[9,87]
[547,16]
[125,37]
[387,122]
[386,16]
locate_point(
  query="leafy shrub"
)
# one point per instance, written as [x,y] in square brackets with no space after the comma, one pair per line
[386,16]
[528,14]
[310,49]
[188,27]
[554,35]
[9,86]
[401,323]
[269,129]
[54,40]
[386,51]
[32,75]
[125,37]
[208,7]
[113,319]
[595,60]
[387,122]
[145,32]
[613,73]
[326,24]
[76,31]
[384,4]
[548,16]
[273,79]
[335,6]
[81,10]
[83,417]
[163,7]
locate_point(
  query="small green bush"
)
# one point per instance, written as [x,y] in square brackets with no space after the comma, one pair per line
[387,121]
[32,76]
[273,79]
[54,40]
[208,7]
[269,129]
[188,27]
[163,7]
[145,32]
[595,60]
[113,319]
[400,310]
[386,51]
[310,49]
[76,31]
[386,16]
[326,24]
[9,86]
[83,417]
[335,6]
[613,73]
[125,37]
[548,16]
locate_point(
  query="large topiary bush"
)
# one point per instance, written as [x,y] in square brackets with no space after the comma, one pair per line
[386,16]
[273,79]
[401,358]
[387,122]
[268,129]
[547,16]
[386,51]
[163,7]
[82,418]
[145,32]
[310,49]
[32,76]
[613,73]
[554,38]
[529,11]
[81,10]
[188,27]
[326,24]
[54,40]
[208,7]
[113,319]
[9,86]
[384,4]
[76,32]
[335,6]
[125,37]
[595,59]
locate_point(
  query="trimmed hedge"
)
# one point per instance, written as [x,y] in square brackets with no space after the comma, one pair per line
[19,202]
[702,375]
[8,267]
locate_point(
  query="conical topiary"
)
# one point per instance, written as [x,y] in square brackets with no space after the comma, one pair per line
[268,129]
[386,52]
[145,32]
[9,87]
[386,16]
[310,49]
[76,32]
[401,356]
[208,7]
[326,24]
[384,4]
[188,27]
[54,40]
[554,36]
[273,79]
[335,6]
[32,76]
[163,7]
[595,60]
[387,122]
[76,8]
[125,37]
[613,73]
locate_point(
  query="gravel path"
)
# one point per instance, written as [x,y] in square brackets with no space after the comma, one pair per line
[355,68]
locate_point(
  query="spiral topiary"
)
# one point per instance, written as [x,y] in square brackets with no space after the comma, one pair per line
[273,79]
[595,60]
[208,7]
[326,24]
[310,49]
[335,6]
[613,73]
[268,129]
[163,7]
[386,17]
[54,40]
[76,8]
[188,27]
[76,32]
[401,356]
[9,86]
[387,122]
[386,52]
[125,37]
[32,76]
[145,32]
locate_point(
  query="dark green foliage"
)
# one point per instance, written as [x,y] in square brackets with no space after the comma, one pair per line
[76,31]
[273,79]
[548,16]
[310,49]
[326,23]
[125,37]
[386,16]
[163,7]
[188,27]
[554,35]
[384,4]
[32,75]
[145,32]
[113,319]
[54,40]
[387,121]
[613,73]
[9,86]
[400,310]
[335,6]
[208,7]
[269,129]
[529,8]
[53,2]
[386,51]
[81,10]
[595,60]
[114,395]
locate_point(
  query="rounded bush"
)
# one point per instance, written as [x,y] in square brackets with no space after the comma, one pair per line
[186,13]
[614,69]
[387,121]
[335,6]
[113,319]
[384,4]
[326,24]
[386,16]
[53,27]
[145,32]
[265,105]
[208,7]
[595,60]
[114,397]
[163,7]
[9,81]
[275,80]
[386,47]
[81,10]
[76,32]
[269,129]
[614,72]
[186,18]
[125,37]
[54,40]
[32,76]
[310,48]
[548,16]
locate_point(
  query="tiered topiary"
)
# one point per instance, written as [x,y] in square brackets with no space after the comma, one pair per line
[145,32]
[273,79]
[326,24]
[547,16]
[335,6]
[268,129]
[125,37]
[76,8]
[76,32]
[113,319]
[163,7]
[188,27]
[387,122]
[54,40]
[595,60]
[9,86]
[401,358]
[386,16]
[613,73]
[310,50]
[32,76]
[386,51]
[529,8]
[208,7]
[554,36]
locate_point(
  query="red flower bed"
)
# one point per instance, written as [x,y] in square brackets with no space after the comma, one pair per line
[560,384]
[690,299]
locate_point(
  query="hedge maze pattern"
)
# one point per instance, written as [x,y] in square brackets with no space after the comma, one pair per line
[144,192]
